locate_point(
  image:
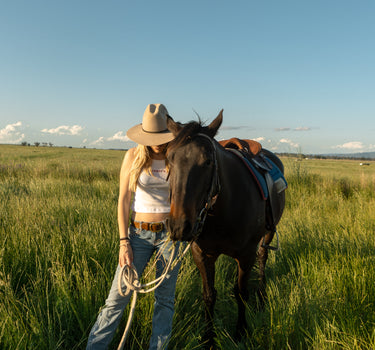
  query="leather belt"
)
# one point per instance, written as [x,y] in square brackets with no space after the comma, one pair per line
[149,226]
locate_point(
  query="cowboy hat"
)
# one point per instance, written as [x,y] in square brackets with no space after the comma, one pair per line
[153,131]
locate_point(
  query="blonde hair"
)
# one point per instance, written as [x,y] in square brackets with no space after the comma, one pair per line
[142,161]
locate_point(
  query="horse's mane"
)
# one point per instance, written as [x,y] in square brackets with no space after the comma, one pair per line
[186,133]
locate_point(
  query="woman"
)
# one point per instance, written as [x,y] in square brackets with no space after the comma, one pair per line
[144,172]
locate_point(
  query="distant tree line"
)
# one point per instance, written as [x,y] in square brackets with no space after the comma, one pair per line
[302,156]
[299,156]
[37,144]
[43,144]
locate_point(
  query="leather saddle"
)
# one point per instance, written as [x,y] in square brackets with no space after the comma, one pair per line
[250,147]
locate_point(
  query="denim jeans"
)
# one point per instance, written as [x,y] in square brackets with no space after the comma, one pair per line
[144,244]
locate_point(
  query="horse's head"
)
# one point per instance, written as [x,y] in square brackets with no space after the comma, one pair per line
[193,175]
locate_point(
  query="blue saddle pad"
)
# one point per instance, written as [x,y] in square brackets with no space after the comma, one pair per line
[274,172]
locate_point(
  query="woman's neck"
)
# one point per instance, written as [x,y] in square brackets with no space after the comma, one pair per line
[158,156]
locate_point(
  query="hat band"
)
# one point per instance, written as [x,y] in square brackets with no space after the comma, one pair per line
[154,132]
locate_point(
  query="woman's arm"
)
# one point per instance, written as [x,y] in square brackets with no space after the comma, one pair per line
[123,209]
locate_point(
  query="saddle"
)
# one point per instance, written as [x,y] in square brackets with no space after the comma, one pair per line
[250,147]
[267,175]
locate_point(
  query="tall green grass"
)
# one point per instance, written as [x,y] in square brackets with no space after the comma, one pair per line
[59,246]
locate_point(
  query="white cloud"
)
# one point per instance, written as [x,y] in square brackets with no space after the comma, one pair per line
[10,134]
[65,130]
[354,145]
[119,137]
[99,141]
[289,142]
[302,128]
[229,127]
[259,139]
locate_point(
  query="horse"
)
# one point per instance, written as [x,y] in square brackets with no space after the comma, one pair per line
[217,207]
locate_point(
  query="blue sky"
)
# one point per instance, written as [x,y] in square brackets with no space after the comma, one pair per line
[296,75]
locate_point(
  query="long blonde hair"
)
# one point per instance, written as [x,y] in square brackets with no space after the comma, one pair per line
[142,161]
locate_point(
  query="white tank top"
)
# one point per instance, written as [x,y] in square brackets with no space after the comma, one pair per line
[152,193]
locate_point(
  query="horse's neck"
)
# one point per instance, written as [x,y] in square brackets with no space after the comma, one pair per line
[229,171]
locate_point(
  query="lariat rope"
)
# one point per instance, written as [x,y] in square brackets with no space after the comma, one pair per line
[129,276]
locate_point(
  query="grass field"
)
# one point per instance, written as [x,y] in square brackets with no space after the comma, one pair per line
[59,250]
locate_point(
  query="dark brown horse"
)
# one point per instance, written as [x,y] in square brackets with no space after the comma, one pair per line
[207,179]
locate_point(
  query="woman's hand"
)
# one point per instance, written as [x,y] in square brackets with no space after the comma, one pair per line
[125,254]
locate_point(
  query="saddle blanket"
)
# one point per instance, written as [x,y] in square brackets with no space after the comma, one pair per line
[256,167]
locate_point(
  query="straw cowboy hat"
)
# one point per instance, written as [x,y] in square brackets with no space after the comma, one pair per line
[153,131]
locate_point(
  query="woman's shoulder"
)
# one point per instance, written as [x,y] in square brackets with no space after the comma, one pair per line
[129,158]
[131,153]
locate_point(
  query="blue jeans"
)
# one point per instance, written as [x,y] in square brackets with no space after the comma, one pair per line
[144,244]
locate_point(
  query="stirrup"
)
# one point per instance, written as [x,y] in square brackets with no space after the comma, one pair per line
[267,246]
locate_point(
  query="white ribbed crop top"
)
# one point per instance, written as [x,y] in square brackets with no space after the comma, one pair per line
[152,193]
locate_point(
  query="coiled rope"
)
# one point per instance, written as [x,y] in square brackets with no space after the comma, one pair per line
[129,276]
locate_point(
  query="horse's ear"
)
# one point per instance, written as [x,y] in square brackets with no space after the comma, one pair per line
[173,126]
[215,124]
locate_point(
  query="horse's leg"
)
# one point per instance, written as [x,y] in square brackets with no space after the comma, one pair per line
[241,290]
[206,267]
[262,257]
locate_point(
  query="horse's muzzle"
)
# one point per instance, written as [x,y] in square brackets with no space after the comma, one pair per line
[180,229]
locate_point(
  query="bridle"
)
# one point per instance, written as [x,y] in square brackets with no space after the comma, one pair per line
[212,194]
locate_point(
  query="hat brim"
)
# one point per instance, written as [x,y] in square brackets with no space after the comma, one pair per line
[138,135]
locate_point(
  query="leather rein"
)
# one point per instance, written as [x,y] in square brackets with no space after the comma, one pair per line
[212,194]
